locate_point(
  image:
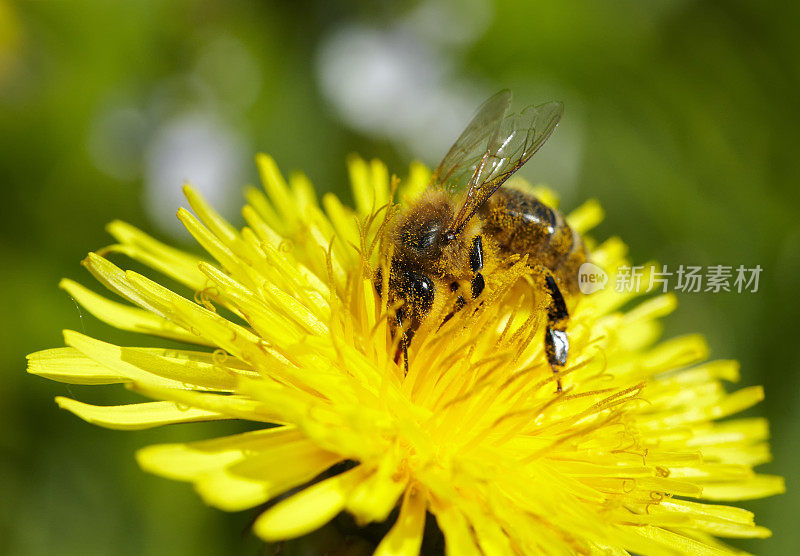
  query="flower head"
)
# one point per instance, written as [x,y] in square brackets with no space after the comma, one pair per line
[290,332]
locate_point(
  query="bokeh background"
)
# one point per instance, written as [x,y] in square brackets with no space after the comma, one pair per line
[682,117]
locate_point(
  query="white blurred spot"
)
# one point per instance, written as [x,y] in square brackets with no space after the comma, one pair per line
[450,22]
[399,82]
[376,78]
[195,148]
[389,84]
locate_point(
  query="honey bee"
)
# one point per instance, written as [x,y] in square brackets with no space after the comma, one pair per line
[464,226]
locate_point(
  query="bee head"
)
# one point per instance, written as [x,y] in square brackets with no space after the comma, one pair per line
[413,289]
[421,234]
[418,258]
[422,240]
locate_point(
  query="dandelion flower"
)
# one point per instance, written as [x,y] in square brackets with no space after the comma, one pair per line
[289,332]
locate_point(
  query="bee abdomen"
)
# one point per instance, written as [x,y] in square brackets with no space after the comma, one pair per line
[522,224]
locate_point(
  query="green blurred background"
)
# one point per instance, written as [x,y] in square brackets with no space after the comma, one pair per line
[682,117]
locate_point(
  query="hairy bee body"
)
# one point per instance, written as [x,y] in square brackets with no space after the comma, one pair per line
[464,227]
[522,224]
[427,269]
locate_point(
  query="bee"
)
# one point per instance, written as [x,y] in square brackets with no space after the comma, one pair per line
[465,225]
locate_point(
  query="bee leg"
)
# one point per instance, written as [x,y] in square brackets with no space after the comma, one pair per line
[402,347]
[476,254]
[556,341]
[478,283]
[476,263]
[404,344]
[459,304]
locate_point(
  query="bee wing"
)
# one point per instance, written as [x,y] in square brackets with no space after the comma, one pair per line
[515,141]
[462,160]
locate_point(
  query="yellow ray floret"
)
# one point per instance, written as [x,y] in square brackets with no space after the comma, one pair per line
[284,327]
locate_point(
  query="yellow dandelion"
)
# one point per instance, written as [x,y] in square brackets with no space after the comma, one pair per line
[632,455]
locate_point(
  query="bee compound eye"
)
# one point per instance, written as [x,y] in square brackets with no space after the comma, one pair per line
[424,236]
[421,289]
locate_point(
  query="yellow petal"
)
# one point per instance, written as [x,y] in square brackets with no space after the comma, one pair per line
[233,338]
[276,188]
[115,280]
[363,192]
[708,512]
[679,544]
[418,178]
[732,530]
[70,365]
[212,243]
[185,462]
[139,415]
[676,353]
[492,540]
[376,496]
[405,536]
[238,407]
[208,216]
[243,470]
[231,493]
[759,486]
[734,431]
[586,216]
[185,368]
[256,220]
[171,368]
[172,262]
[310,509]
[111,356]
[457,533]
[269,471]
[303,191]
[125,317]
[343,219]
